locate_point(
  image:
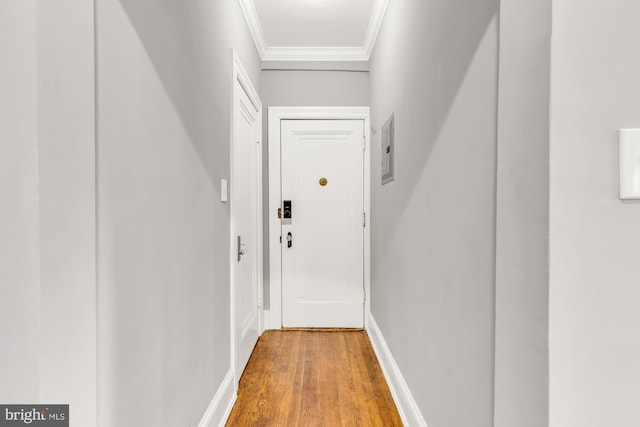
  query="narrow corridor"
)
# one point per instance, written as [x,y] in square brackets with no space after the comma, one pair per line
[314,378]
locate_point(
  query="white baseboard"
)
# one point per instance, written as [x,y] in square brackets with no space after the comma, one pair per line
[220,407]
[407,407]
[266,320]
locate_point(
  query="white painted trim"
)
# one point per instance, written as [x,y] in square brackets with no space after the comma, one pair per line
[266,321]
[284,53]
[240,75]
[276,114]
[361,66]
[314,53]
[367,210]
[220,407]
[275,225]
[255,28]
[407,406]
[377,16]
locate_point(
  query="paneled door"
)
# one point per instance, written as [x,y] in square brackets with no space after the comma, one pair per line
[246,212]
[322,179]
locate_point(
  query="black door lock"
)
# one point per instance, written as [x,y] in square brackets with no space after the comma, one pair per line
[287,209]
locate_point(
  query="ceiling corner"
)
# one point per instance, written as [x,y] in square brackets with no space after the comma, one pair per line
[251,16]
[377,16]
[314,53]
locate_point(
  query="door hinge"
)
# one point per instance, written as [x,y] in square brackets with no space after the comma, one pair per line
[280,239]
[364,143]
[364,219]
[364,291]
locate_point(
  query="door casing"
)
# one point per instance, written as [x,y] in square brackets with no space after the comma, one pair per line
[240,76]
[273,316]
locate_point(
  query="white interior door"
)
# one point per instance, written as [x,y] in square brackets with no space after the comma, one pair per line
[246,202]
[323,241]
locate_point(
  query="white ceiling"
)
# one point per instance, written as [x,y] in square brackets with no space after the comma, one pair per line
[314,30]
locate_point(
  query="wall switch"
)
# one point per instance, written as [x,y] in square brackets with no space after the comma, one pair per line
[223,190]
[629,164]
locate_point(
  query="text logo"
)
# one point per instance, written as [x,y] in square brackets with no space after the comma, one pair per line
[34,415]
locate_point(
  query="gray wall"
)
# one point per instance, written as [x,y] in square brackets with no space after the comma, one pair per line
[67,205]
[344,84]
[48,194]
[435,65]
[595,238]
[164,75]
[522,253]
[19,269]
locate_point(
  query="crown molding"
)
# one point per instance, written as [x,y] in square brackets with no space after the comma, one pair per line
[377,16]
[313,53]
[251,15]
[282,53]
[354,66]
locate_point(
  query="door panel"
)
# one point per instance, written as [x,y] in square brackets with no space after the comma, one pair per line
[246,201]
[323,270]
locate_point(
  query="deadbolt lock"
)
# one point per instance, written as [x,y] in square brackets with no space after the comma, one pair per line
[284,213]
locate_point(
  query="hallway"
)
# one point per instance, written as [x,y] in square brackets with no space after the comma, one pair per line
[313,378]
[500,241]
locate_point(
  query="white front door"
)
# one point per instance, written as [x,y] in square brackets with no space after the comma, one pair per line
[323,240]
[246,202]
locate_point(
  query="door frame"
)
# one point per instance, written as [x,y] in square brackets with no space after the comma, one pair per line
[273,316]
[240,75]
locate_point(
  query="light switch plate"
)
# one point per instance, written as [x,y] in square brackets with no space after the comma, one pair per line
[630,164]
[223,190]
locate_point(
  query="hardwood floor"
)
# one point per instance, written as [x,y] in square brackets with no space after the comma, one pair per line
[314,378]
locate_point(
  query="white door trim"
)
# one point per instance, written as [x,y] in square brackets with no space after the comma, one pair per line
[240,75]
[276,114]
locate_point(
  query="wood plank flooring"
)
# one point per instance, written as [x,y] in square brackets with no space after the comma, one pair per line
[314,378]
